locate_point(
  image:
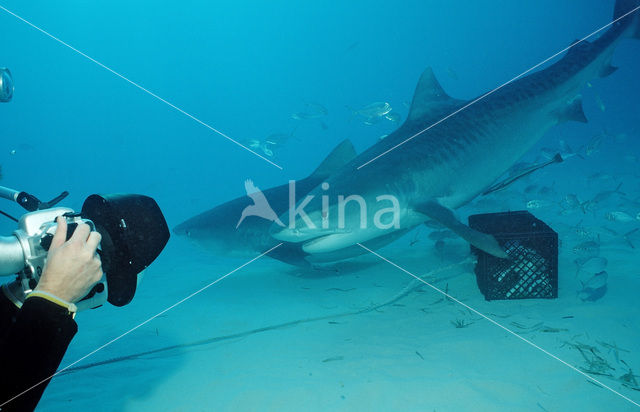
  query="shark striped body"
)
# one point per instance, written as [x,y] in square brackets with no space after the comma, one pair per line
[451,163]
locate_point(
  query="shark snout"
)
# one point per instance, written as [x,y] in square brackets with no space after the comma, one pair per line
[181,230]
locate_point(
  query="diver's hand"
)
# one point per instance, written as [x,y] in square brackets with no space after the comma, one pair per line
[73,267]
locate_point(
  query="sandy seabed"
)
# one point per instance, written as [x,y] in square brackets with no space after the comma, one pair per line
[422,352]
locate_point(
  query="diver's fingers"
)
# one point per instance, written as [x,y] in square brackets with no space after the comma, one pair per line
[81,234]
[61,233]
[93,241]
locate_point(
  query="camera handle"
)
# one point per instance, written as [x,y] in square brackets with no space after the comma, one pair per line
[29,201]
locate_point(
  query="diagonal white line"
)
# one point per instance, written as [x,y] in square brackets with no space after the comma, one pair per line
[140,87]
[496,89]
[499,325]
[142,324]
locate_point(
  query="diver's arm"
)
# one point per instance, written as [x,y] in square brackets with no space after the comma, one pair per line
[8,313]
[32,349]
[36,336]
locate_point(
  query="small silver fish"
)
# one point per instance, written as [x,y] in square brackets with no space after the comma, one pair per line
[317,108]
[393,116]
[594,288]
[538,204]
[306,116]
[618,216]
[6,85]
[265,147]
[591,265]
[376,109]
[594,144]
[570,201]
[602,196]
[600,104]
[253,143]
[278,138]
[313,111]
[590,248]
[628,236]
[582,231]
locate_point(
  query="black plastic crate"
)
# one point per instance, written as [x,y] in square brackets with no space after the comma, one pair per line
[532,268]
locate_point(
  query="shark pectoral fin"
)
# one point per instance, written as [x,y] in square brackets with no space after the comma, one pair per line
[572,111]
[445,216]
[607,70]
[342,154]
[335,241]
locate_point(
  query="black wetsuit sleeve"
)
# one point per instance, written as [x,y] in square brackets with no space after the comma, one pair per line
[33,340]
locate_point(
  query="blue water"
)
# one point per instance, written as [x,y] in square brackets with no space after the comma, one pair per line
[244,68]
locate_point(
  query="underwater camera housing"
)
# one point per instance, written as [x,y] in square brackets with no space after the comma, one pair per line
[133,231]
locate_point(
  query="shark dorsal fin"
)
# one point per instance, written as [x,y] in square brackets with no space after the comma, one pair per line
[428,95]
[342,154]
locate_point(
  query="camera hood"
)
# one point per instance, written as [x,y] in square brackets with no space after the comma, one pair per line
[134,232]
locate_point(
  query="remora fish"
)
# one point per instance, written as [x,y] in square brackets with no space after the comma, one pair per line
[438,169]
[501,185]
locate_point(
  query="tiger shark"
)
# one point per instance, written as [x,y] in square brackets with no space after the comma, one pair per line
[424,171]
[240,227]
[227,230]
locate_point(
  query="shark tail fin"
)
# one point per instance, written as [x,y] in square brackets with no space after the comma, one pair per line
[342,154]
[632,8]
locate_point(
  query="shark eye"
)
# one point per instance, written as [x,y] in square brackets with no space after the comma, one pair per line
[188,233]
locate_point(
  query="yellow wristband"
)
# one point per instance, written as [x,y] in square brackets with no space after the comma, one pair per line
[71,307]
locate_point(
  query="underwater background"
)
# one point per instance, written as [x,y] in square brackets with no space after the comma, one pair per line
[300,72]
